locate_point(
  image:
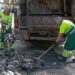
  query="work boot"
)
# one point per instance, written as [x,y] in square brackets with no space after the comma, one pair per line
[73,59]
[70,59]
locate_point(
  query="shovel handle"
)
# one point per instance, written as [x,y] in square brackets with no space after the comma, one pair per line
[46,51]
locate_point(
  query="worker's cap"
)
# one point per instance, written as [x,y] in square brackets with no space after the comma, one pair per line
[6,7]
[58,19]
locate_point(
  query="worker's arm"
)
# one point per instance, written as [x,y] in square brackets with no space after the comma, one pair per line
[0,14]
[9,19]
[9,22]
[59,37]
[61,31]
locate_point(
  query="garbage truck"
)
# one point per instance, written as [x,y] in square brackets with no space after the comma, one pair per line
[37,18]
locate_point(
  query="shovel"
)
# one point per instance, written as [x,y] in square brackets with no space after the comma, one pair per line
[38,59]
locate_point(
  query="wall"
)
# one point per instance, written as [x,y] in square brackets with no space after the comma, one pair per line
[44,6]
[73,8]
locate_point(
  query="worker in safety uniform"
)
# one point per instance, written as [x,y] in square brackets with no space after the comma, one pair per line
[66,47]
[6,16]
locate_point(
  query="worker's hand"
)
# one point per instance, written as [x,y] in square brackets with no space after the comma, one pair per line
[59,43]
[64,35]
[54,42]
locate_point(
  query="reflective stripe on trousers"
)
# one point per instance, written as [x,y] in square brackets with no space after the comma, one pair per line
[68,53]
[61,51]
[1,45]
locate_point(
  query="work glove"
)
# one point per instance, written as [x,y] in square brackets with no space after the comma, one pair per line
[64,35]
[55,43]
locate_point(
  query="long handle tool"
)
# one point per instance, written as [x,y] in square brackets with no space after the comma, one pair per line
[38,58]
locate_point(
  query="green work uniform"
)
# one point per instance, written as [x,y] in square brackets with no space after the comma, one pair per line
[70,41]
[8,19]
[65,26]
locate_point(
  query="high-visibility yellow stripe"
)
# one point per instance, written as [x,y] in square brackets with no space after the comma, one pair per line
[67,53]
[1,45]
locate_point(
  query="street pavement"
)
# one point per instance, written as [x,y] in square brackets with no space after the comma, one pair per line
[52,65]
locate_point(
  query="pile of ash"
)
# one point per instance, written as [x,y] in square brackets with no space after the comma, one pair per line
[10,63]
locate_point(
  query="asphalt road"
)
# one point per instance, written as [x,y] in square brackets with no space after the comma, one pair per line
[52,66]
